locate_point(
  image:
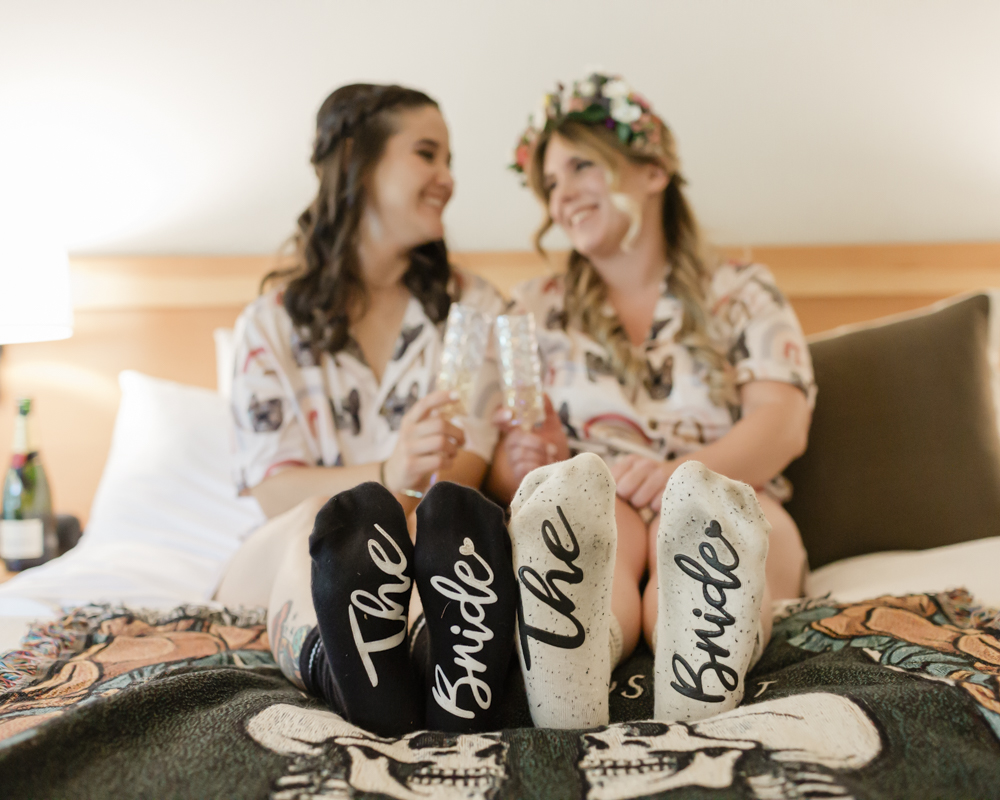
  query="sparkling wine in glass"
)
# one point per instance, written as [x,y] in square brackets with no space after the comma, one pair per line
[520,369]
[466,337]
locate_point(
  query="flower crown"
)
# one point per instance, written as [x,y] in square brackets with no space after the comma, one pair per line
[596,100]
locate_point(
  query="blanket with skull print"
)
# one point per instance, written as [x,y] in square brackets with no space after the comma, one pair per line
[894,697]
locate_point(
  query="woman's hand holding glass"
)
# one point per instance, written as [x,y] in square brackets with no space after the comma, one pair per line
[525,450]
[427,444]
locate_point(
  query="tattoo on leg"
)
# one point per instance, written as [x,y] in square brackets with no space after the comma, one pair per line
[288,644]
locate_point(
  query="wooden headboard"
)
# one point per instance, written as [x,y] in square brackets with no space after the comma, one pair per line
[157,314]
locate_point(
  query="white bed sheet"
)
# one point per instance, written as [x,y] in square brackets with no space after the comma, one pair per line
[974,566]
[166,518]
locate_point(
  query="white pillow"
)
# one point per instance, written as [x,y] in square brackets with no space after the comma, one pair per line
[972,565]
[166,518]
[225,354]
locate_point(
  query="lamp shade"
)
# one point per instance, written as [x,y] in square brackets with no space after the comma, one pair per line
[35,303]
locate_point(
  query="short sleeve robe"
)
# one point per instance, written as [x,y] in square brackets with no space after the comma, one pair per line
[289,411]
[671,413]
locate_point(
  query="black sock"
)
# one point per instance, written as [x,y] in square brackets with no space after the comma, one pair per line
[420,651]
[362,575]
[466,583]
[316,674]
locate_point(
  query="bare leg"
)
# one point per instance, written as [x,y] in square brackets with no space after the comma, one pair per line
[630,564]
[786,559]
[650,596]
[250,576]
[290,613]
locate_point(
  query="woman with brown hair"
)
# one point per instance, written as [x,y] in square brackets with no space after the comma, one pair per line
[655,353]
[332,396]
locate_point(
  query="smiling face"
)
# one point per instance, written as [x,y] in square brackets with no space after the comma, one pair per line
[601,200]
[412,182]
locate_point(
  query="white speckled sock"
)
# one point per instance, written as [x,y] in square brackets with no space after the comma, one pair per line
[616,645]
[563,534]
[711,548]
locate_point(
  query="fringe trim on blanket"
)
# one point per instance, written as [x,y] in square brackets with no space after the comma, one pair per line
[57,640]
[783,609]
[958,606]
[964,612]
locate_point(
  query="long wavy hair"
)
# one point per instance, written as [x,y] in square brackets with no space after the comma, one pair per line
[692,262]
[324,284]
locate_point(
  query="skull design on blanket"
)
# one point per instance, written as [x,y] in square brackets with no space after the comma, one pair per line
[417,766]
[783,747]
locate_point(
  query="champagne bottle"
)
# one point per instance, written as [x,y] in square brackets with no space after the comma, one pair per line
[27,525]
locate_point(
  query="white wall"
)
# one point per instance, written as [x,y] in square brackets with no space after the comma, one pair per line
[184,126]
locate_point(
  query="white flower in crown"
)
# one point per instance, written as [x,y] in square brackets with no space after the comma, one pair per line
[615,89]
[586,88]
[624,111]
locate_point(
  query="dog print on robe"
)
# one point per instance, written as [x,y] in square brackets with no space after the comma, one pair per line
[556,319]
[336,406]
[334,759]
[921,635]
[755,311]
[776,294]
[395,406]
[598,365]
[349,415]
[564,419]
[659,325]
[265,415]
[302,351]
[659,382]
[772,749]
[406,337]
[738,352]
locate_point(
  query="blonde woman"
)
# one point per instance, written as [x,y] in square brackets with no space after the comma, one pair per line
[656,353]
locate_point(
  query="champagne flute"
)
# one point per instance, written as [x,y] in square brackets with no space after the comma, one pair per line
[466,337]
[520,369]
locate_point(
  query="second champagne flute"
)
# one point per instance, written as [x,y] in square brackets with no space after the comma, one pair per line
[520,368]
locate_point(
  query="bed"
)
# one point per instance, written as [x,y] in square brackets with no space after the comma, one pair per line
[123,679]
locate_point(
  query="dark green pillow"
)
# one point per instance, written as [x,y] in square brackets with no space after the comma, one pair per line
[904,452]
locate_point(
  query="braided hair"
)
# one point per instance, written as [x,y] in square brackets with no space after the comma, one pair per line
[325,282]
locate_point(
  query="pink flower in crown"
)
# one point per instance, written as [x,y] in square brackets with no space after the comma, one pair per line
[576,103]
[522,155]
